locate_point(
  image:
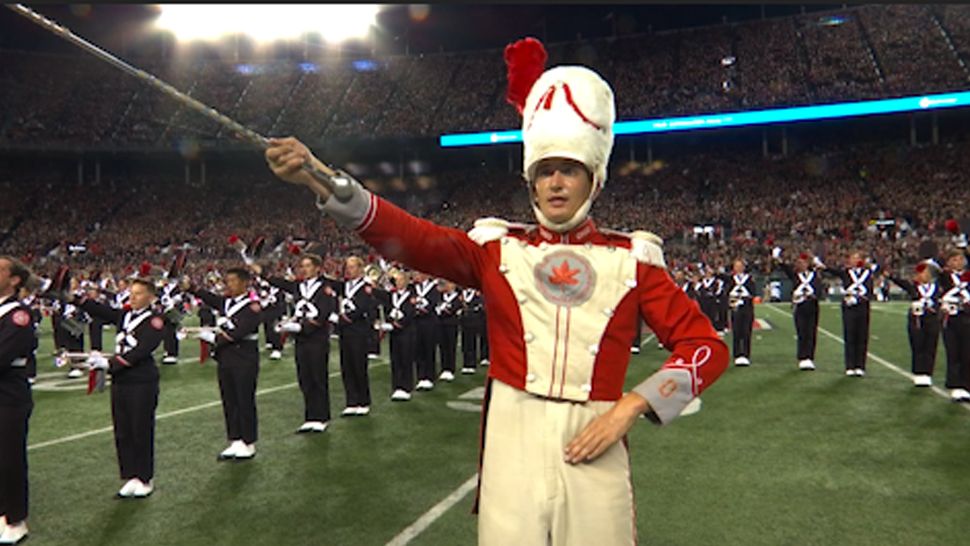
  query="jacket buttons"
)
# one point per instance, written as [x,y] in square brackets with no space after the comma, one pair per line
[586,387]
[588,246]
[503,269]
[632,283]
[530,377]
[528,337]
[608,311]
[543,246]
[523,299]
[505,240]
[593,349]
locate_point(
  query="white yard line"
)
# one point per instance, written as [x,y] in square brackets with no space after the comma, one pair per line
[879,360]
[166,415]
[432,515]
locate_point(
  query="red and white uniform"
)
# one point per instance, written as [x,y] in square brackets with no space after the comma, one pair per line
[562,311]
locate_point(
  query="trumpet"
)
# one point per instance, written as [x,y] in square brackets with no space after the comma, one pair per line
[76,359]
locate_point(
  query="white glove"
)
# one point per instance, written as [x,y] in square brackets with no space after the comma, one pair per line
[221,321]
[180,335]
[960,240]
[207,335]
[817,262]
[97,362]
[291,327]
[776,253]
[334,318]
[386,327]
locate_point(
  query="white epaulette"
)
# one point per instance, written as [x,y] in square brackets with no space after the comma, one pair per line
[491,229]
[645,246]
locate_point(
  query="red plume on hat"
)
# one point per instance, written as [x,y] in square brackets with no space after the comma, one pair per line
[921,267]
[233,239]
[294,249]
[952,226]
[525,60]
[145,269]
[803,256]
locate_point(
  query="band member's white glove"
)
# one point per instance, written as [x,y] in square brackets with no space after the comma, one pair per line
[386,327]
[334,318]
[180,335]
[395,314]
[960,240]
[96,361]
[776,253]
[291,327]
[207,335]
[221,321]
[817,262]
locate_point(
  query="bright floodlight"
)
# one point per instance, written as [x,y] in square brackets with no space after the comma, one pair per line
[267,22]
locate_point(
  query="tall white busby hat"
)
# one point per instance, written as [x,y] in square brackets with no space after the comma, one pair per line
[567,111]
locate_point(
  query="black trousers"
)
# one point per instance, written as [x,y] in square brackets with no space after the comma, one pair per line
[237,388]
[855,332]
[742,323]
[425,351]
[32,364]
[448,345]
[374,342]
[709,308]
[353,368]
[721,314]
[403,344]
[206,317]
[95,331]
[169,341]
[806,328]
[484,354]
[271,315]
[924,336]
[13,462]
[956,339]
[472,341]
[133,416]
[313,375]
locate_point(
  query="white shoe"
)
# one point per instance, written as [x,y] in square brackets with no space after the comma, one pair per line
[318,426]
[742,361]
[806,364]
[143,489]
[400,395]
[275,355]
[922,380]
[75,373]
[231,451]
[484,362]
[363,410]
[959,395]
[468,371]
[247,451]
[446,376]
[14,534]
[850,372]
[31,380]
[268,346]
[128,489]
[372,356]
[859,372]
[305,427]
[169,359]
[424,385]
[349,411]
[635,350]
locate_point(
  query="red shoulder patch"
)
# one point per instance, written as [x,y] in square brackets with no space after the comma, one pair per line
[20,318]
[254,307]
[157,323]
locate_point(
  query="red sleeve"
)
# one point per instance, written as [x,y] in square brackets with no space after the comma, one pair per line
[698,356]
[420,244]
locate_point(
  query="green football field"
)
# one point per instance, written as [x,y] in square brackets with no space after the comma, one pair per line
[776,456]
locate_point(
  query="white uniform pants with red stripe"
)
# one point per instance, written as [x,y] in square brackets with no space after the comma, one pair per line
[530,496]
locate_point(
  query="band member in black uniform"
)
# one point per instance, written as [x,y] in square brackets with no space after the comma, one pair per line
[857,278]
[707,293]
[399,313]
[954,283]
[447,311]
[68,321]
[236,344]
[29,298]
[134,383]
[273,310]
[721,301]
[427,298]
[170,301]
[96,325]
[923,322]
[357,312]
[310,325]
[472,329]
[18,339]
[741,301]
[807,287]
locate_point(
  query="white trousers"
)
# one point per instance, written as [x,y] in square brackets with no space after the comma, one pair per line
[530,496]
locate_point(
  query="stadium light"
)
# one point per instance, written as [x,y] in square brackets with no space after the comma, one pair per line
[267,22]
[739,119]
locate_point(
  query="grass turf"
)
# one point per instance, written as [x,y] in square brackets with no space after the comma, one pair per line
[776,456]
